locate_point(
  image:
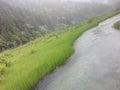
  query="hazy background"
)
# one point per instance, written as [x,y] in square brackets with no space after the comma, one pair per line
[25,20]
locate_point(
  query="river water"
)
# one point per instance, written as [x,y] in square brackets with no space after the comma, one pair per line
[95,65]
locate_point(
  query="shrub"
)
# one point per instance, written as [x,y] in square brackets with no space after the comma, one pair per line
[117,25]
[32,51]
[91,20]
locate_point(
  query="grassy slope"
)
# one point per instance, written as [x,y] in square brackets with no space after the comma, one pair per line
[117,25]
[35,59]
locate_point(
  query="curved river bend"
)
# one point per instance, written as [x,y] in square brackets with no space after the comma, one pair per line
[95,65]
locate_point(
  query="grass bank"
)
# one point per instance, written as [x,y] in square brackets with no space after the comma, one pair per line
[117,25]
[23,66]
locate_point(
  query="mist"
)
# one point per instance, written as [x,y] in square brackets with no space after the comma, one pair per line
[24,20]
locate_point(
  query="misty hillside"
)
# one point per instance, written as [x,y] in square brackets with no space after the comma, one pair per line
[24,20]
[26,67]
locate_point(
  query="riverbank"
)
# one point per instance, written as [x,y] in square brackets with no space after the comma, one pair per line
[34,60]
[93,66]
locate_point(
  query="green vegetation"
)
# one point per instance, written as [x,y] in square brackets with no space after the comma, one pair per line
[117,25]
[20,68]
[20,23]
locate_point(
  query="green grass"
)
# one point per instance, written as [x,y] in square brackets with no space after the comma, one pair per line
[117,25]
[24,66]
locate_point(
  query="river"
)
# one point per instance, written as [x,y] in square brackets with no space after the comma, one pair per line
[95,65]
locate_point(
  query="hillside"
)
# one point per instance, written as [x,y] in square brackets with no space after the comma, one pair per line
[21,69]
[20,23]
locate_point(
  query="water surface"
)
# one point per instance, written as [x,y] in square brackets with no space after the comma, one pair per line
[95,65]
